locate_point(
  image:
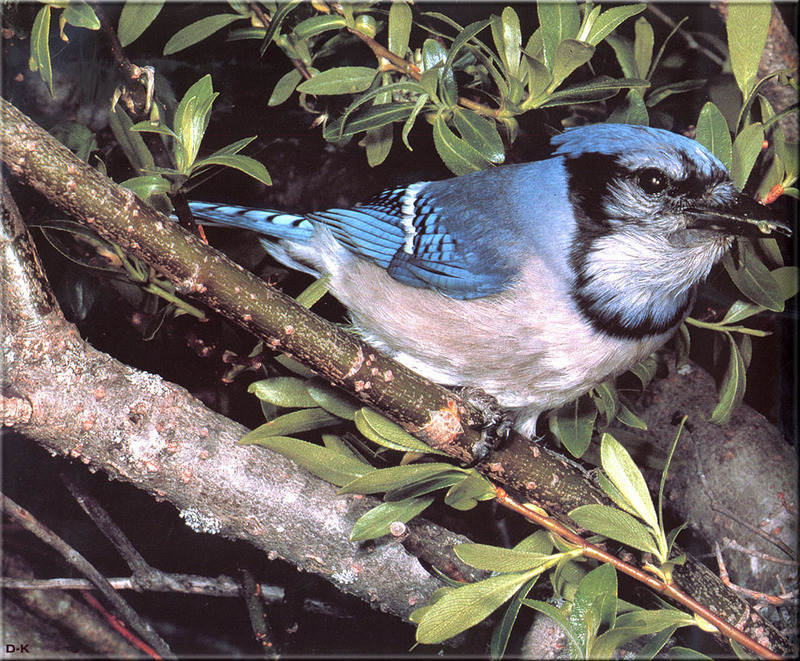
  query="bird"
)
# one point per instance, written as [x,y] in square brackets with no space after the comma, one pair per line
[530,282]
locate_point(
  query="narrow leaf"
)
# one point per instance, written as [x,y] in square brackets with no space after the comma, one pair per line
[284,87]
[400,18]
[610,20]
[293,423]
[713,134]
[614,524]
[245,164]
[135,18]
[198,31]
[326,464]
[748,24]
[625,475]
[456,153]
[573,425]
[481,134]
[746,148]
[386,479]
[498,559]
[753,279]
[383,431]
[40,47]
[463,608]
[733,385]
[339,80]
[283,391]
[377,521]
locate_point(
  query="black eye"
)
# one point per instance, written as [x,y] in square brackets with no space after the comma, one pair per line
[652,181]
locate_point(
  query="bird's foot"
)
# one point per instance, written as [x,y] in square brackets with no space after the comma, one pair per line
[495,424]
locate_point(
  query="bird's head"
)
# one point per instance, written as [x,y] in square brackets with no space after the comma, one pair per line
[654,212]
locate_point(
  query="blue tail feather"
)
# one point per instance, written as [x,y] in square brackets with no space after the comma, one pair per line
[275,224]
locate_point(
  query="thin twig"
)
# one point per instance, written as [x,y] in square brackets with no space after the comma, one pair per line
[668,590]
[74,558]
[761,597]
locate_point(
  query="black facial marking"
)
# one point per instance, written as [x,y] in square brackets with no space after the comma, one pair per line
[591,177]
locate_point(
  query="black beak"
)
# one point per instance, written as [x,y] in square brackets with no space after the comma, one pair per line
[742,216]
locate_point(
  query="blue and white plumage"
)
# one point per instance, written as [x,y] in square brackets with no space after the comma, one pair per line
[534,282]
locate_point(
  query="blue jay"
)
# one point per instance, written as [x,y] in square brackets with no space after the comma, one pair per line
[533,282]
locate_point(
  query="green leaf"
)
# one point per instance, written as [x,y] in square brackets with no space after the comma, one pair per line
[713,134]
[570,54]
[191,120]
[275,21]
[538,542]
[378,143]
[656,620]
[748,24]
[40,47]
[752,278]
[464,607]
[149,127]
[646,370]
[434,58]
[148,185]
[388,479]
[293,423]
[135,18]
[249,166]
[739,311]
[627,477]
[378,115]
[400,18]
[326,464]
[610,20]
[465,494]
[501,560]
[746,148]
[383,431]
[629,418]
[787,280]
[284,87]
[602,87]
[733,386]
[612,492]
[614,524]
[131,142]
[315,25]
[464,36]
[502,632]
[377,522]
[658,94]
[573,425]
[631,111]
[313,293]
[457,154]
[197,31]
[481,134]
[558,21]
[595,603]
[643,47]
[606,400]
[512,40]
[332,399]
[80,15]
[425,486]
[339,80]
[283,391]
[418,106]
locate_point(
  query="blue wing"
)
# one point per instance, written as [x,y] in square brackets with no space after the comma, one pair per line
[404,231]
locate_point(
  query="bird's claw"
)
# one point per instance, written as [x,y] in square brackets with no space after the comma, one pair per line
[495,424]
